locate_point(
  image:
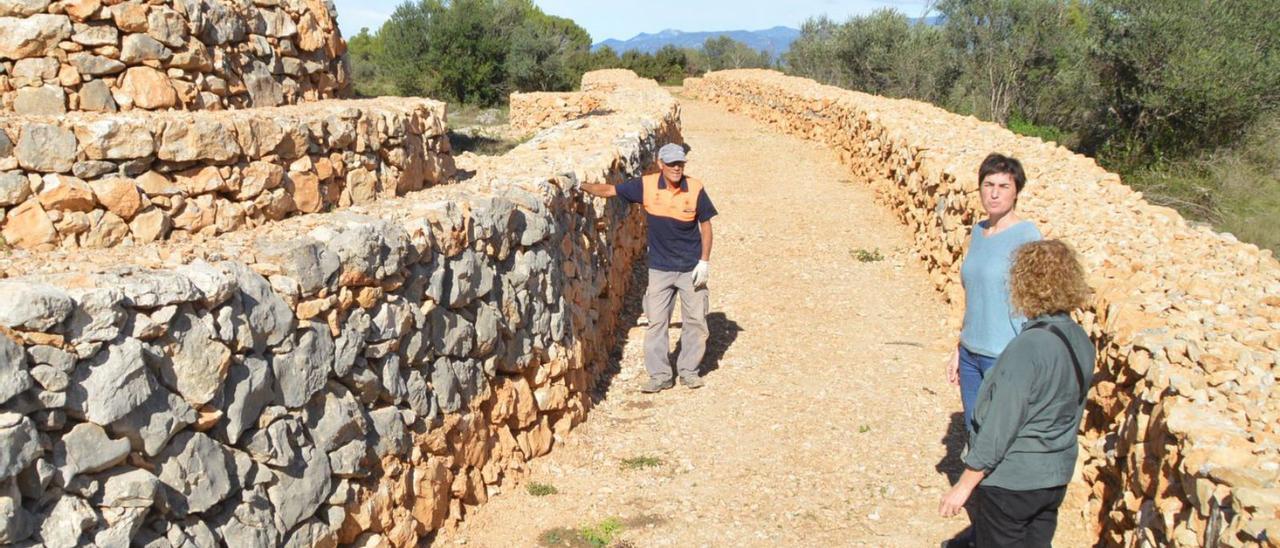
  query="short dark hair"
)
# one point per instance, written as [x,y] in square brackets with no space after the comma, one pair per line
[999,163]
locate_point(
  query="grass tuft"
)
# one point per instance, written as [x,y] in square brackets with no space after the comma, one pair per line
[601,534]
[637,463]
[865,256]
[541,489]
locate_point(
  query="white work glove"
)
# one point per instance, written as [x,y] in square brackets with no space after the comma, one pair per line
[701,274]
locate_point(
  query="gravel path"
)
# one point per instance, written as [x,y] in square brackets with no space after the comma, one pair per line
[825,421]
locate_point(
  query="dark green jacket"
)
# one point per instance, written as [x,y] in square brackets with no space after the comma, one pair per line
[1029,410]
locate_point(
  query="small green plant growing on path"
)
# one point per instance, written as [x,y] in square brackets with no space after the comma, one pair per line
[637,463]
[602,534]
[541,489]
[864,429]
[864,256]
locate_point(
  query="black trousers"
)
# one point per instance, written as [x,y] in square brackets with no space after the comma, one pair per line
[1003,517]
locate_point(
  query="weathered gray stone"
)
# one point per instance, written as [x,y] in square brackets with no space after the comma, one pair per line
[192,532]
[137,48]
[448,392]
[99,314]
[36,478]
[251,522]
[150,425]
[46,148]
[451,333]
[95,96]
[308,262]
[19,444]
[33,72]
[95,65]
[16,524]
[269,317]
[201,138]
[112,383]
[348,461]
[313,532]
[392,436]
[420,398]
[470,277]
[167,26]
[263,88]
[50,378]
[33,35]
[391,320]
[92,169]
[487,330]
[249,388]
[156,288]
[221,24]
[194,362]
[198,469]
[129,488]
[41,101]
[14,188]
[22,8]
[87,448]
[392,381]
[123,525]
[29,305]
[95,35]
[335,418]
[68,519]
[370,252]
[301,488]
[6,144]
[214,283]
[470,376]
[347,347]
[278,444]
[302,371]
[14,378]
[115,139]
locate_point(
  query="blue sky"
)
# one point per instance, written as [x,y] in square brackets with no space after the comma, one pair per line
[622,20]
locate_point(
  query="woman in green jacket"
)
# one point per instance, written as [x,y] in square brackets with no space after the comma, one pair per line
[1023,451]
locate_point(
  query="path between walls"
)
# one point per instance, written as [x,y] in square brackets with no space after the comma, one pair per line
[825,420]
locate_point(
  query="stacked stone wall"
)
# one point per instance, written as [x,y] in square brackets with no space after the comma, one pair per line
[94,180]
[1181,439]
[91,55]
[358,376]
[531,112]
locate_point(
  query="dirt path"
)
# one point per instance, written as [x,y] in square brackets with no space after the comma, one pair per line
[825,420]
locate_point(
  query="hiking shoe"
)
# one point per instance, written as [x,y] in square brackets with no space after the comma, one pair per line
[655,385]
[692,381]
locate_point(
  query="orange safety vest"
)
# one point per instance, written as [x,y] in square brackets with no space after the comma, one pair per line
[681,205]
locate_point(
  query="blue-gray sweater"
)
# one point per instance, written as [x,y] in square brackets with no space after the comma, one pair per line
[989,321]
[1029,409]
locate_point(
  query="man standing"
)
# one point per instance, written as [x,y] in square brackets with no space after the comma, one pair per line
[679,218]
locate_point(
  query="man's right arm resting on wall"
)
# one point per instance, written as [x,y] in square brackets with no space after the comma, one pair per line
[601,190]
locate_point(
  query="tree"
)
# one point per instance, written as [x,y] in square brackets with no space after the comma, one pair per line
[723,52]
[1181,76]
[547,53]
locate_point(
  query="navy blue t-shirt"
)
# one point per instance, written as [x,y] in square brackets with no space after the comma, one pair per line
[674,245]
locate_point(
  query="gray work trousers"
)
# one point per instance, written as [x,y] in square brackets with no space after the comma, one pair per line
[659,300]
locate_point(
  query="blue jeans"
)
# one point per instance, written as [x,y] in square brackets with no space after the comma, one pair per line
[973,367]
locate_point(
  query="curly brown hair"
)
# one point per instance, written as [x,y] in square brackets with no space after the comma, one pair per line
[1047,278]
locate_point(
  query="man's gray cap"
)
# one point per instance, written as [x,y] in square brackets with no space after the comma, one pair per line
[671,153]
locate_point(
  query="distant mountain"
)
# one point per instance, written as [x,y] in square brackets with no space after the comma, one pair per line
[775,40]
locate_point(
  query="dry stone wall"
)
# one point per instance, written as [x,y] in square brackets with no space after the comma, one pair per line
[531,112]
[112,55]
[355,376]
[1181,440]
[94,180]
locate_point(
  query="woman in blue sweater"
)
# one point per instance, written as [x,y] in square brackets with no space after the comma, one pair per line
[989,320]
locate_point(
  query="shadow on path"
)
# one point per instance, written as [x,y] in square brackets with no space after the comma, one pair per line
[954,440]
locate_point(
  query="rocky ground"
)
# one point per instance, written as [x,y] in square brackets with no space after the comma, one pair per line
[825,420]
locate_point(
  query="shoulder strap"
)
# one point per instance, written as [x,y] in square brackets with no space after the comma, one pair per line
[1071,351]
